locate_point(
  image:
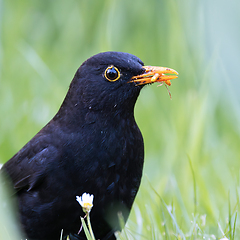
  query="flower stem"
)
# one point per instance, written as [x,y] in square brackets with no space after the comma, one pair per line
[90,227]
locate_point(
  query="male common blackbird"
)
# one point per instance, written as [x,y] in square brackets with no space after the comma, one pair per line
[92,145]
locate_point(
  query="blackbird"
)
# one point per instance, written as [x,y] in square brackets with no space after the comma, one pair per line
[91,145]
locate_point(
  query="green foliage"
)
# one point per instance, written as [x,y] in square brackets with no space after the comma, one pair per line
[86,230]
[190,186]
[8,219]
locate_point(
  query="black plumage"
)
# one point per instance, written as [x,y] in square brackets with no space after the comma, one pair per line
[92,145]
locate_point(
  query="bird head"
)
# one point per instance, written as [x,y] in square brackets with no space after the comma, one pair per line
[111,80]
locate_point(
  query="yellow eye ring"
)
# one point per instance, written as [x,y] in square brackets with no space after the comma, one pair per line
[112,74]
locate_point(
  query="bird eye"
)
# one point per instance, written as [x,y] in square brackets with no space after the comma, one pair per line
[112,74]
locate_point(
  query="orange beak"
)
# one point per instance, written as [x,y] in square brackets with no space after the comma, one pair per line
[155,74]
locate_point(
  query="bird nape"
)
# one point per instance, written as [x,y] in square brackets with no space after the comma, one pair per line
[92,145]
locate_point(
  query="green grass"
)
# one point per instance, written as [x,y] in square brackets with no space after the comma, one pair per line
[190,187]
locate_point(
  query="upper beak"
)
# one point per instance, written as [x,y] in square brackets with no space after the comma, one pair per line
[155,74]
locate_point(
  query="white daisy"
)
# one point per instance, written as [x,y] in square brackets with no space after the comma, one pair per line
[86,201]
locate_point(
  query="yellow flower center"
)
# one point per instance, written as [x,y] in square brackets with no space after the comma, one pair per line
[87,207]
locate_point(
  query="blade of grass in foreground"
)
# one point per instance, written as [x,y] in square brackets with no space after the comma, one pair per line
[179,232]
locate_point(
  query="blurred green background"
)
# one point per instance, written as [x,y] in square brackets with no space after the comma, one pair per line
[190,186]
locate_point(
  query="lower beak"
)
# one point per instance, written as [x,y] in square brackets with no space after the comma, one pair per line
[155,74]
